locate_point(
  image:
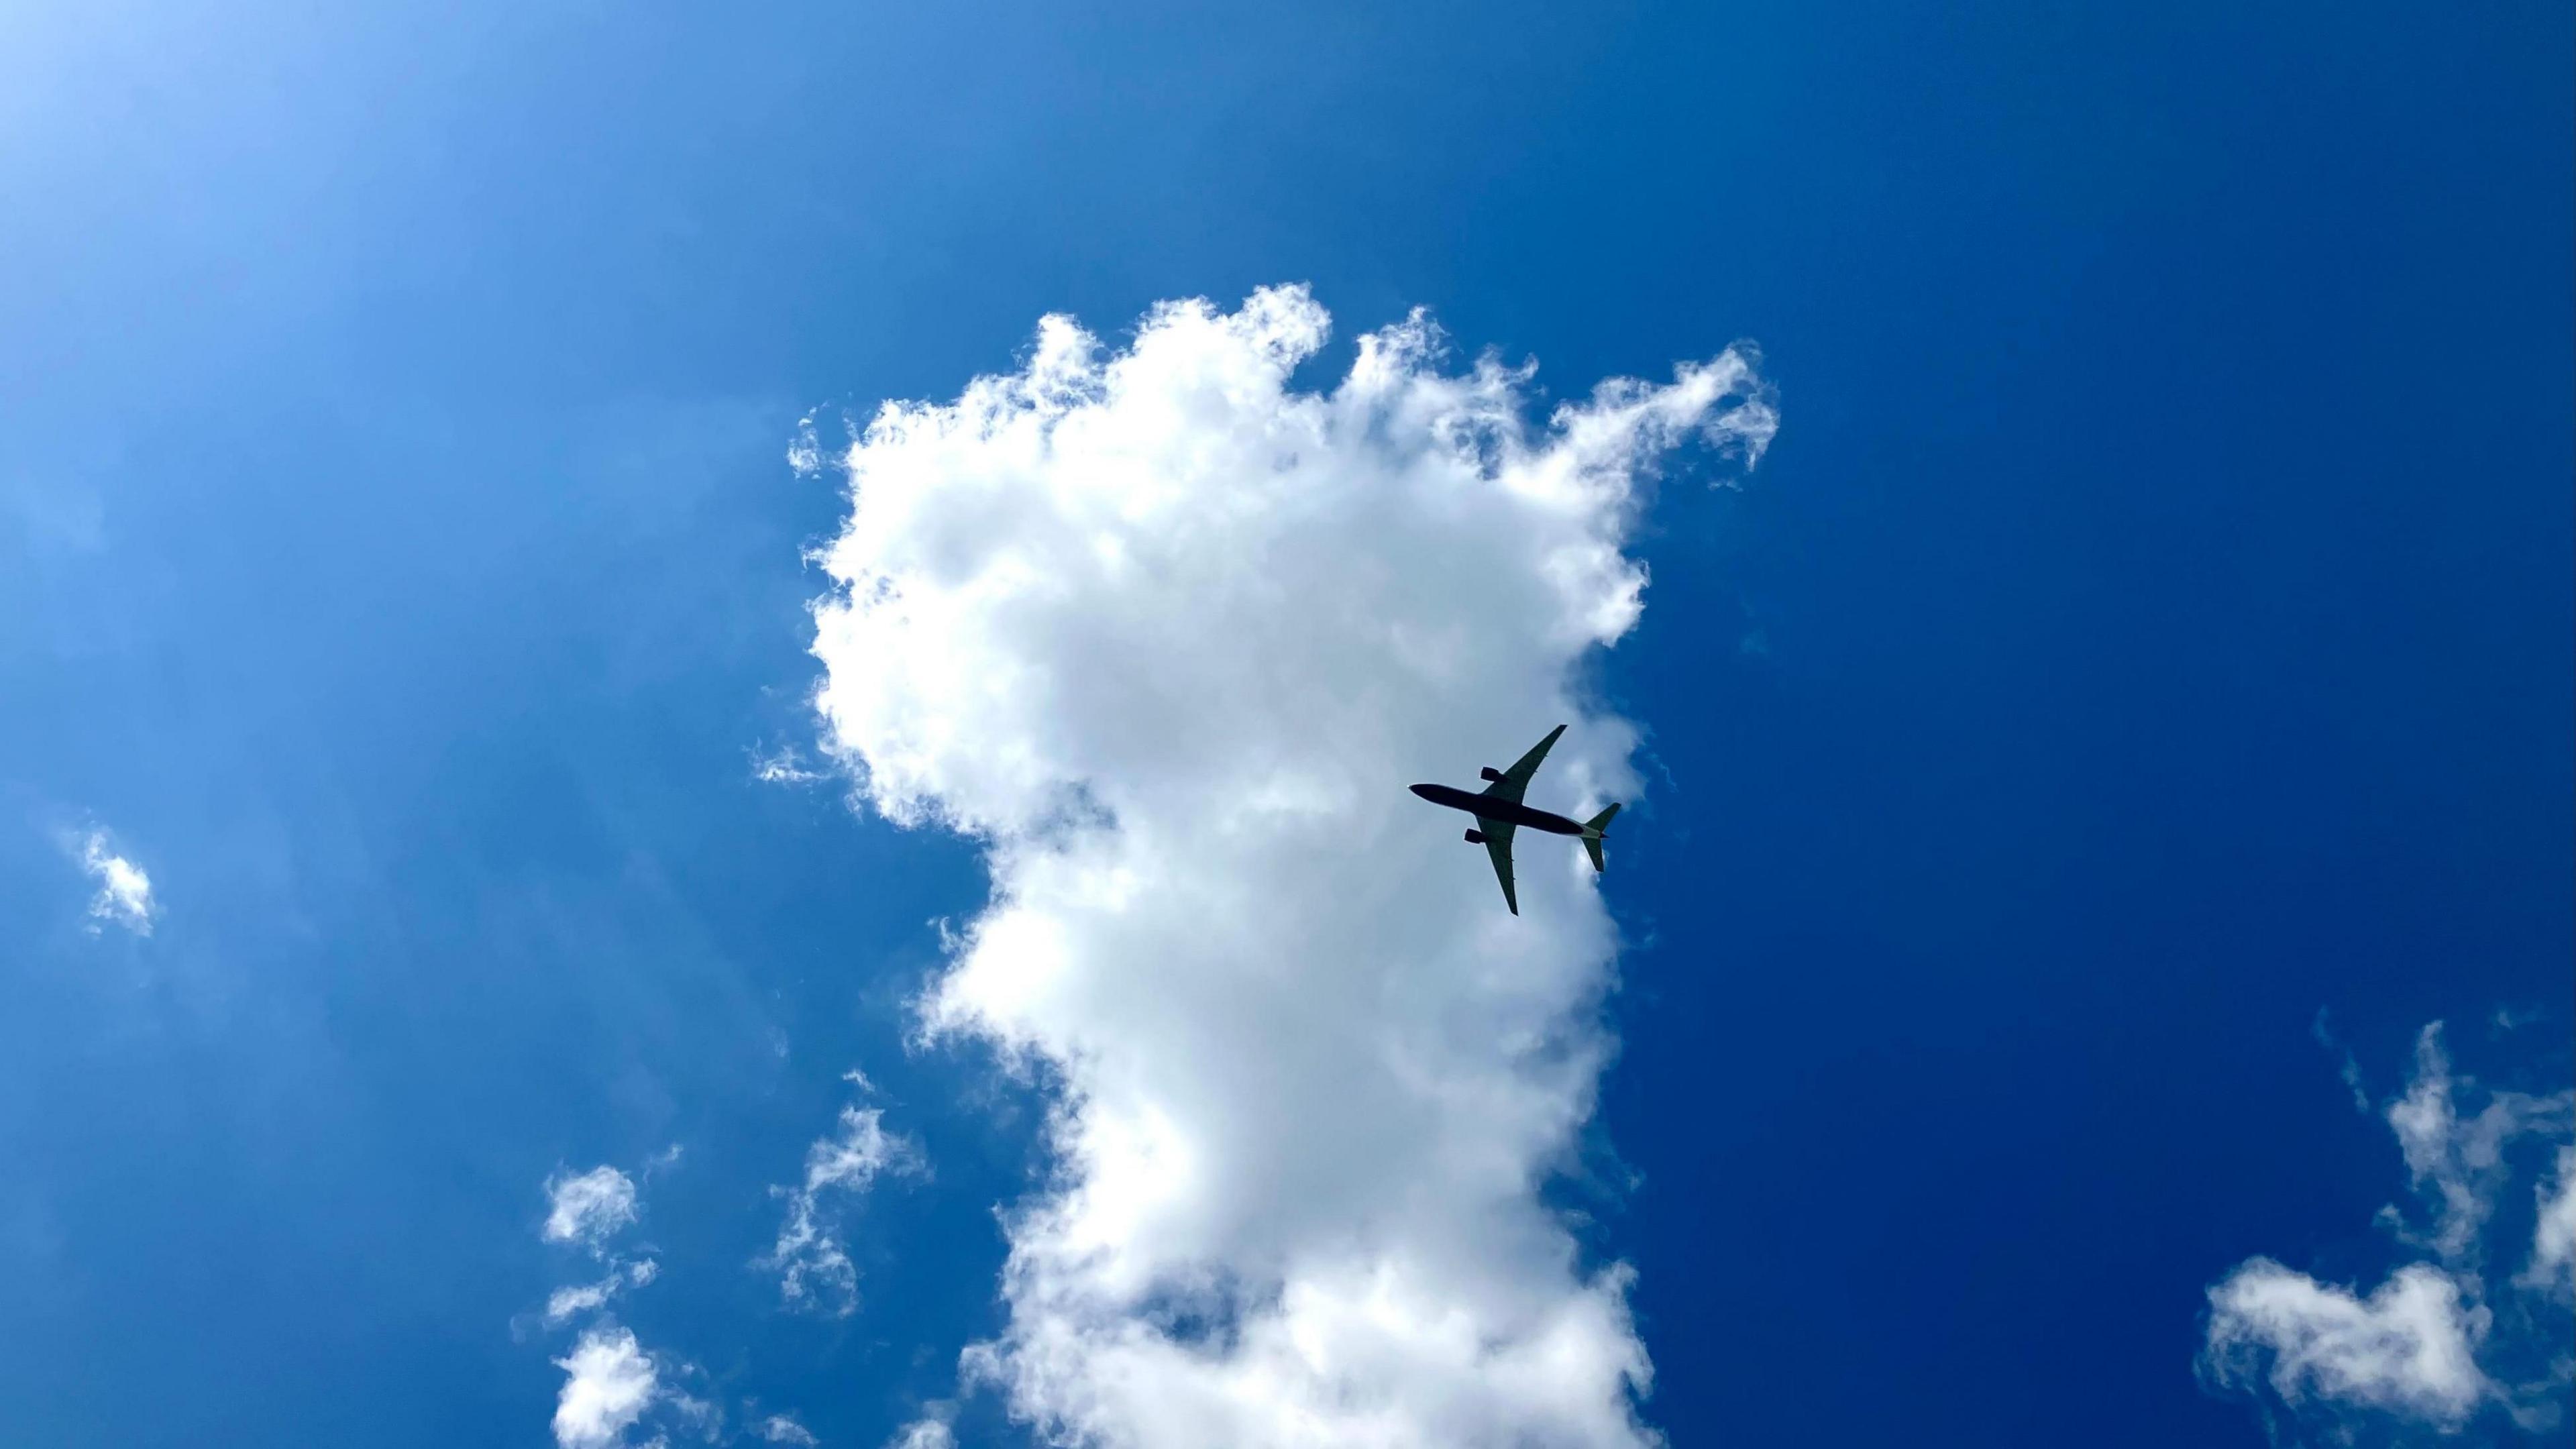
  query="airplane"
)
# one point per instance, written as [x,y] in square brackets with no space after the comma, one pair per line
[1498,811]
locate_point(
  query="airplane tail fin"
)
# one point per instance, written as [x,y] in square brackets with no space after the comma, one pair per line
[1592,829]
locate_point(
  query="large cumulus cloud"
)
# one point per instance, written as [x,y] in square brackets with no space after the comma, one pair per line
[1169,636]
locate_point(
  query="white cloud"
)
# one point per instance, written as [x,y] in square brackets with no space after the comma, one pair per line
[2323,1031]
[565,1303]
[2460,1162]
[124,892]
[2409,1348]
[2422,1348]
[924,1434]
[780,1429]
[701,1415]
[2553,1237]
[589,1207]
[1170,638]
[813,1266]
[609,1384]
[783,766]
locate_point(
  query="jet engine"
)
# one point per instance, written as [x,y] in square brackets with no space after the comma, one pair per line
[1490,774]
[1475,837]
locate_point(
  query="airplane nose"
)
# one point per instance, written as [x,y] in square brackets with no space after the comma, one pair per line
[1422,790]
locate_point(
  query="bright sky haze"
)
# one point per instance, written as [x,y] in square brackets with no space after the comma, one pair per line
[704,723]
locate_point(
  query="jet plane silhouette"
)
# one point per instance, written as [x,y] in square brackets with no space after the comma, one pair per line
[1499,811]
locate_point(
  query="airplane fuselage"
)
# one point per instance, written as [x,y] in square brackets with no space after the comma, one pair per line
[1498,810]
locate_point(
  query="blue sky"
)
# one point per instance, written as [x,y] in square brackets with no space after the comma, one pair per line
[2147,631]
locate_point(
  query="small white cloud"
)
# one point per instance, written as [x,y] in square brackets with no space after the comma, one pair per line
[805,451]
[924,1434]
[2553,1239]
[780,1429]
[588,1208]
[124,892]
[813,1267]
[610,1383]
[566,1302]
[2459,1162]
[699,1414]
[2323,1030]
[2427,1346]
[2410,1348]
[784,766]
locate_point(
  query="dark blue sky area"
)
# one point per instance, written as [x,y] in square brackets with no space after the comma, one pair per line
[2151,627]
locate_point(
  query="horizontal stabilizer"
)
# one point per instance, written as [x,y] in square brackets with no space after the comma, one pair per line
[1592,829]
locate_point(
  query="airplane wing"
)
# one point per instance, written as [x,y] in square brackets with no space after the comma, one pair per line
[1515,781]
[1498,844]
